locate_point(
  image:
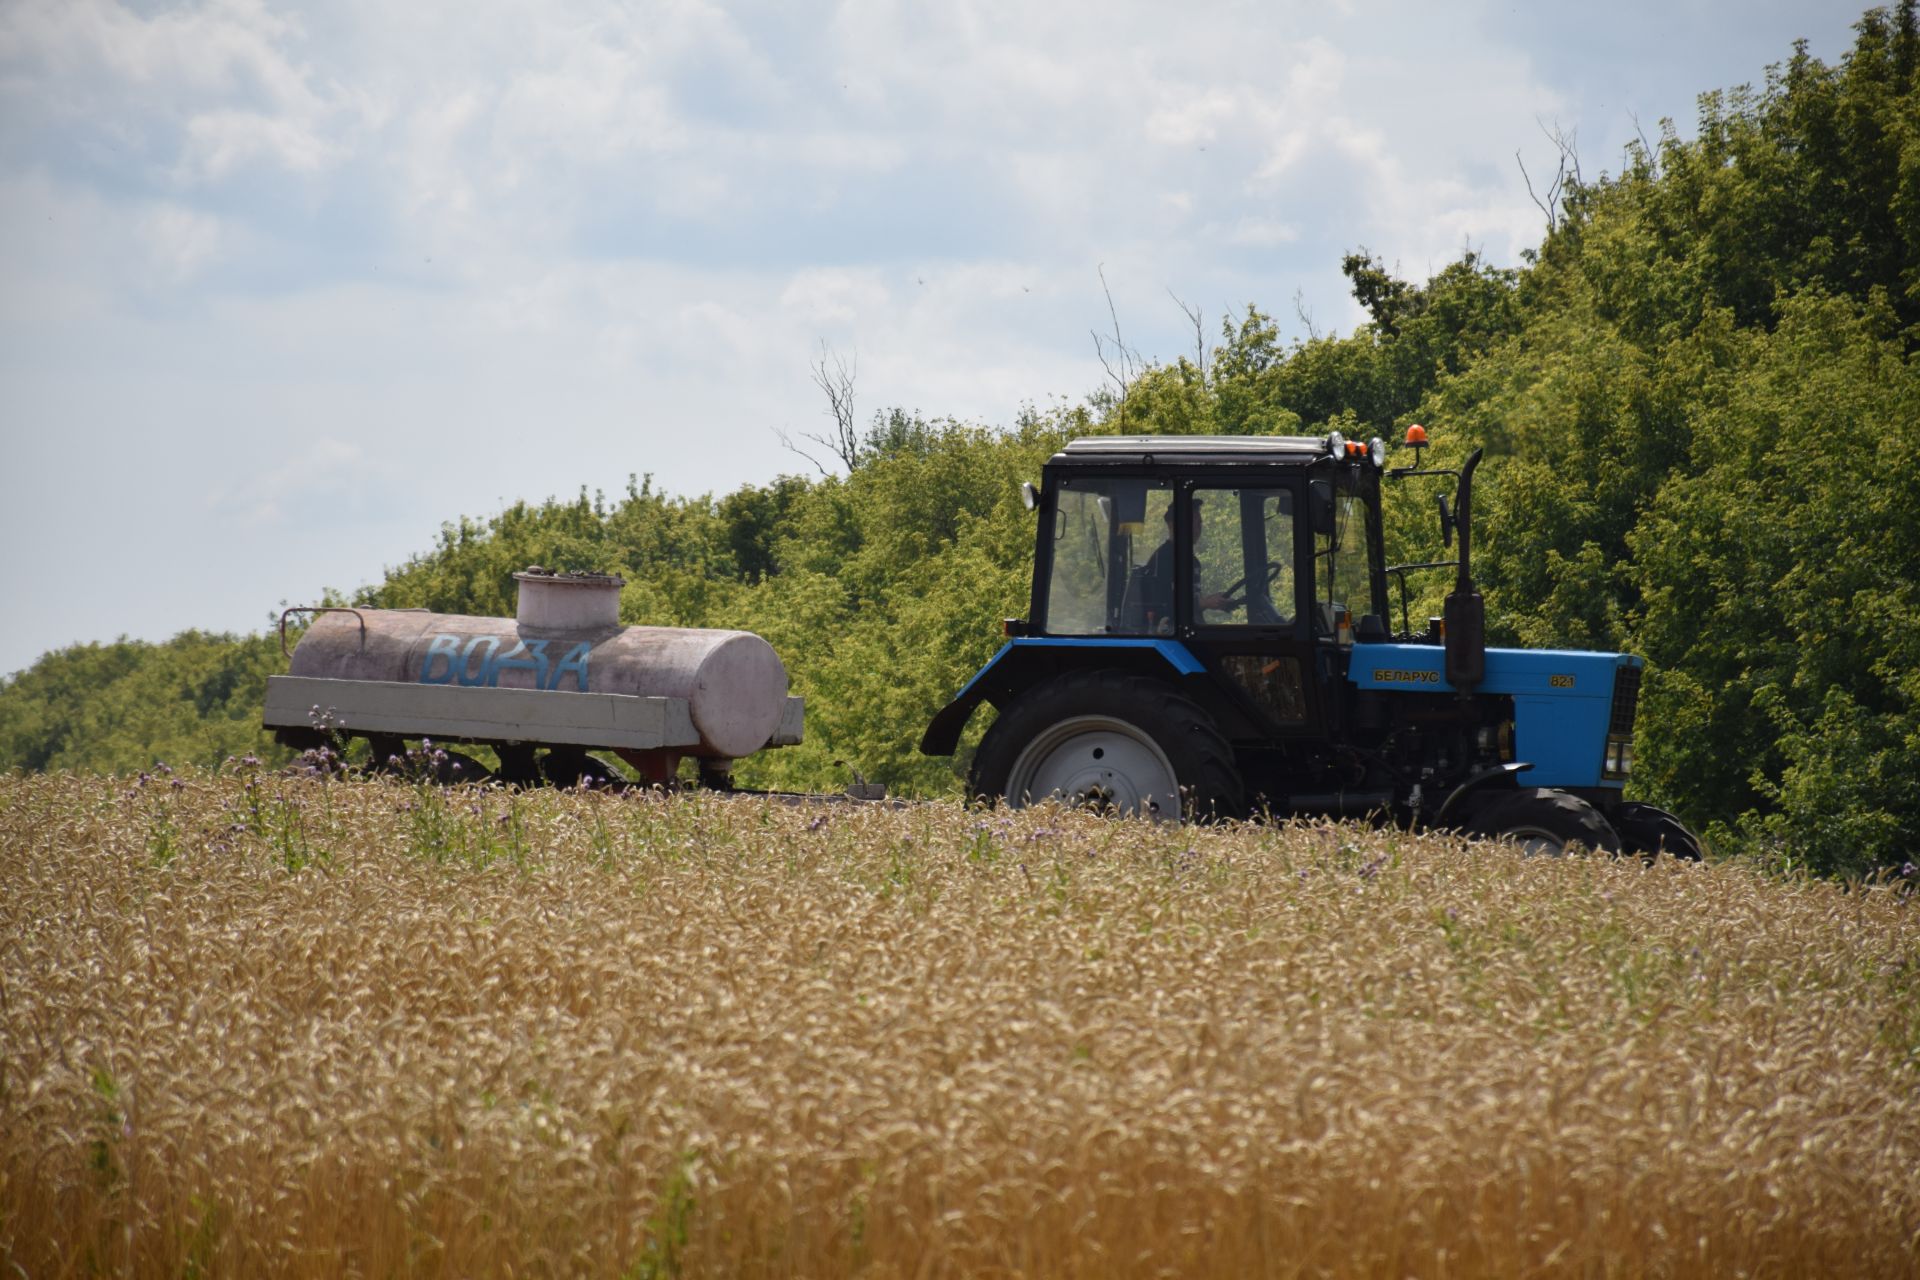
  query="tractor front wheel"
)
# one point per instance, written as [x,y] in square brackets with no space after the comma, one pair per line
[1648,832]
[1112,742]
[1542,820]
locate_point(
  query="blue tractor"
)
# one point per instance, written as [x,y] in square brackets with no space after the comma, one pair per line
[1208,637]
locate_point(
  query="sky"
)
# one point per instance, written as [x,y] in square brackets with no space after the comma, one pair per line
[283,288]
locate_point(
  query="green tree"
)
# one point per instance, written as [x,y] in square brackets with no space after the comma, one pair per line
[128,705]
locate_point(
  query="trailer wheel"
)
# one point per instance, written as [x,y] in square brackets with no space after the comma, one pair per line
[1113,742]
[571,767]
[1648,831]
[392,756]
[1542,820]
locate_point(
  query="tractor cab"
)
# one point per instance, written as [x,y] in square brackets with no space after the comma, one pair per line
[1278,533]
[1252,553]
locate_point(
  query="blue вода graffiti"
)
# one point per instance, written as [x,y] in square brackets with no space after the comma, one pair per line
[477,661]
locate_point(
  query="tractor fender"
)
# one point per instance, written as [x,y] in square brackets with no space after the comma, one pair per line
[1030,660]
[1478,782]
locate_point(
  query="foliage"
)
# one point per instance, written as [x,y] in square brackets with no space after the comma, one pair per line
[194,699]
[1698,404]
[1701,442]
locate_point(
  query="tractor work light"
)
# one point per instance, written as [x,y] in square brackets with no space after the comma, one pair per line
[1337,444]
[1377,450]
[1417,441]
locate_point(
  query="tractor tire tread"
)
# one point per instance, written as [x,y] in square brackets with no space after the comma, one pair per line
[1562,813]
[1649,831]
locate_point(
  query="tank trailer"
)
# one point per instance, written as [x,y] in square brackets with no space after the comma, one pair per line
[1208,636]
[544,688]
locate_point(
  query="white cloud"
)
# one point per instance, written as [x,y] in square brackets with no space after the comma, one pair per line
[179,241]
[596,106]
[1262,232]
[205,49]
[431,184]
[1194,120]
[829,297]
[218,142]
[222,76]
[322,472]
[720,335]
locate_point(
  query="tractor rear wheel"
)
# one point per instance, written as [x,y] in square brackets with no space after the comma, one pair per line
[1542,820]
[1109,741]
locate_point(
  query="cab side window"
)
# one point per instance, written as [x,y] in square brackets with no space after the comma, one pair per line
[1342,577]
[1243,557]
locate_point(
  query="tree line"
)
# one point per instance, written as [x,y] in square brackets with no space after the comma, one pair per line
[1700,403]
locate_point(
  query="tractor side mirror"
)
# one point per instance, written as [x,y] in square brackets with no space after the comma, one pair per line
[1029,496]
[1320,506]
[1446,520]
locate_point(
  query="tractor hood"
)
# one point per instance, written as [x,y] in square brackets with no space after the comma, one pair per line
[1566,703]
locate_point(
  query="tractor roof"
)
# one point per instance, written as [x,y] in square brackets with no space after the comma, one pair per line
[1296,450]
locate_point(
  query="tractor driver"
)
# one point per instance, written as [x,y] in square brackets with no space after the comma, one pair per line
[1158,576]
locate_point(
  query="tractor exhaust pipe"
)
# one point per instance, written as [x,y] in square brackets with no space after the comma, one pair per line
[1465,611]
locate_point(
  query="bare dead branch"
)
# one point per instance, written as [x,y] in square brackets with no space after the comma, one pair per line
[1568,145]
[786,442]
[1566,175]
[835,377]
[1548,206]
[1646,147]
[1304,314]
[1527,178]
[1118,344]
[1121,355]
[1199,334]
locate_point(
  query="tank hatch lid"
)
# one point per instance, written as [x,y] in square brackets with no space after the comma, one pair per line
[563,577]
[1190,448]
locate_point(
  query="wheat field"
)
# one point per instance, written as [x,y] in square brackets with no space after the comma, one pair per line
[268,1026]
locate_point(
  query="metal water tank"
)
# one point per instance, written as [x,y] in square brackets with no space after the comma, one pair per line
[564,640]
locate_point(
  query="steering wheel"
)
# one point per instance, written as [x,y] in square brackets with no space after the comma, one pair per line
[1235,601]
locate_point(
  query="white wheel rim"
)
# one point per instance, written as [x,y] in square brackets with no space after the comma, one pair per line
[1096,762]
[1536,841]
